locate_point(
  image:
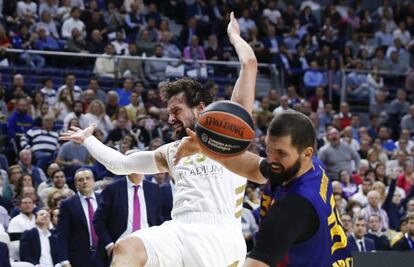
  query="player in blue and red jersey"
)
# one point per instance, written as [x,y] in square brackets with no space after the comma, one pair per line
[300,225]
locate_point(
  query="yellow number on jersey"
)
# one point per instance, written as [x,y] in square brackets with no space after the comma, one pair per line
[336,228]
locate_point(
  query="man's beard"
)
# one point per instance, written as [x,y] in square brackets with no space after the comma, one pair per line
[182,133]
[285,175]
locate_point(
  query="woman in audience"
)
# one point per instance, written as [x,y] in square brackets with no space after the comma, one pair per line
[96,114]
[63,105]
[406,179]
[348,187]
[9,186]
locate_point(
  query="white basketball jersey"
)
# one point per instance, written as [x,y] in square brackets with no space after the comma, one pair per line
[203,185]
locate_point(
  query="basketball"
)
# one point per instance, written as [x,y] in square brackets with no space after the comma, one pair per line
[225,128]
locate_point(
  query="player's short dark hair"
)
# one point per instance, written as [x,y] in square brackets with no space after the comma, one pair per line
[296,125]
[194,91]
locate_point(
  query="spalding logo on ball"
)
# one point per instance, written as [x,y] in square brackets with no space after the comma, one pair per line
[225,128]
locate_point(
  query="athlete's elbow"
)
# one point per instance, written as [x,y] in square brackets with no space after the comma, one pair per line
[250,63]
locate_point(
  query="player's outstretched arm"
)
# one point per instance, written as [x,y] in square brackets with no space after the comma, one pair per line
[246,164]
[143,162]
[245,87]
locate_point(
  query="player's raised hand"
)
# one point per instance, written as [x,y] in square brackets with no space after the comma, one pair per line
[77,135]
[233,28]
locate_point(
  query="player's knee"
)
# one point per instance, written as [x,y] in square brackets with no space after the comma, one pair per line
[131,247]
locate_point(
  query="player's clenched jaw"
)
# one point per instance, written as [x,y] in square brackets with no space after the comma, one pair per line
[181,116]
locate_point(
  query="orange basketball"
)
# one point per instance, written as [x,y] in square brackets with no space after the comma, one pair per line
[225,128]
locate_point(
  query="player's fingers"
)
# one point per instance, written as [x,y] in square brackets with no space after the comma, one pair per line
[74,128]
[232,15]
[190,133]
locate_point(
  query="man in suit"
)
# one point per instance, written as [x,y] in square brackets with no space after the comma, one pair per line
[118,210]
[406,242]
[357,241]
[374,232]
[38,246]
[75,231]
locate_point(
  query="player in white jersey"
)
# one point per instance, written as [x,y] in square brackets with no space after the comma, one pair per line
[206,228]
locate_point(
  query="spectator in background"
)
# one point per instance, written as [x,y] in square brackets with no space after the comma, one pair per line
[76,113]
[386,142]
[194,51]
[406,241]
[405,179]
[129,68]
[188,31]
[155,70]
[120,46]
[45,42]
[43,142]
[395,65]
[374,208]
[402,33]
[357,240]
[171,50]
[22,222]
[344,115]
[96,114]
[120,130]
[25,163]
[246,24]
[111,104]
[349,188]
[72,23]
[48,24]
[70,84]
[58,180]
[272,42]
[379,60]
[124,93]
[144,44]
[312,79]
[336,155]
[76,43]
[63,105]
[38,245]
[49,94]
[98,92]
[95,43]
[50,6]
[105,66]
[19,122]
[25,40]
[134,20]
[284,105]
[376,233]
[407,121]
[135,105]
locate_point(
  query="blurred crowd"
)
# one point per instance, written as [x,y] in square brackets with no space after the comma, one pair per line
[370,162]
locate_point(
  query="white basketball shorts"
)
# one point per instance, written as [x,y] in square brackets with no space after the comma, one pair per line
[194,240]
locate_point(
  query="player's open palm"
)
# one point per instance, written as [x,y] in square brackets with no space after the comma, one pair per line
[233,27]
[77,135]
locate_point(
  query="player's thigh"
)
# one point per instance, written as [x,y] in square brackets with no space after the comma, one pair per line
[162,245]
[213,245]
